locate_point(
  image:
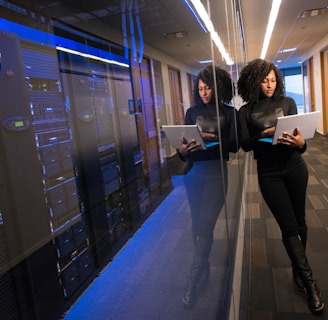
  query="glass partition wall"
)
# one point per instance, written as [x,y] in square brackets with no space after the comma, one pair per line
[228,52]
[92,185]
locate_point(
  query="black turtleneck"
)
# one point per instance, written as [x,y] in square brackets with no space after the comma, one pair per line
[254,118]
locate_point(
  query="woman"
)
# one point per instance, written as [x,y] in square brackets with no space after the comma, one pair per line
[282,172]
[206,182]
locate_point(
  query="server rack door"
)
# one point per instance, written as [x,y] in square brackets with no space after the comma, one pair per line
[25,217]
[97,161]
[57,159]
[105,139]
[39,202]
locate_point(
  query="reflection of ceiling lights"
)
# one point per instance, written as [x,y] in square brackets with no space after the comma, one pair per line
[314,12]
[90,56]
[203,15]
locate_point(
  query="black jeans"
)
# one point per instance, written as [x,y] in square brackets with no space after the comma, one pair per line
[206,186]
[283,186]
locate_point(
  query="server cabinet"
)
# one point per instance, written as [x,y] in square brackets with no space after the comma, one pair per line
[24,215]
[53,139]
[105,137]
[22,195]
[38,195]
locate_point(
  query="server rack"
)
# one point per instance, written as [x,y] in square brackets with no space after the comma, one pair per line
[25,220]
[104,150]
[55,152]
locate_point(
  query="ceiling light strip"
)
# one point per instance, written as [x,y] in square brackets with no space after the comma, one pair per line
[271,22]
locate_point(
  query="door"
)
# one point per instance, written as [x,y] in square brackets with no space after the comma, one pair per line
[176,96]
[324,84]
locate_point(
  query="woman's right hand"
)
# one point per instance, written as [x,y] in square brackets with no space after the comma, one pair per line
[187,147]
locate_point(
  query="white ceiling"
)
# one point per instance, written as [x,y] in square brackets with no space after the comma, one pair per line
[160,17]
[290,30]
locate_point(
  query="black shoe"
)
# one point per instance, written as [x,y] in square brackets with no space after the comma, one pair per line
[198,266]
[296,253]
[314,297]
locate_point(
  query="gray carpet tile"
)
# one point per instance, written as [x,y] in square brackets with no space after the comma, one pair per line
[273,295]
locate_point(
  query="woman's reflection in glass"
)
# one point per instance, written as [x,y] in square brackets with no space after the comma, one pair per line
[206,180]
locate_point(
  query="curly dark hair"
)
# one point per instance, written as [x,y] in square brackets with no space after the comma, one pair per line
[223,83]
[251,76]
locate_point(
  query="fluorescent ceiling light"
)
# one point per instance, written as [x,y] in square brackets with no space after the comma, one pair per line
[202,13]
[314,12]
[85,55]
[287,50]
[205,61]
[272,20]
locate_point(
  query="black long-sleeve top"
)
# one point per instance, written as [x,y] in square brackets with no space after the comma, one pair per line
[253,119]
[205,116]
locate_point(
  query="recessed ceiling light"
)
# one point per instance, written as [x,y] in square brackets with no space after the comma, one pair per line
[287,50]
[175,35]
[205,61]
[314,12]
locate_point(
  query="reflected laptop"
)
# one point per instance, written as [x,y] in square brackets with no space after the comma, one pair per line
[175,133]
[307,122]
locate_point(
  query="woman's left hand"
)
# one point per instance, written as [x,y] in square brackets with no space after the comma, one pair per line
[294,140]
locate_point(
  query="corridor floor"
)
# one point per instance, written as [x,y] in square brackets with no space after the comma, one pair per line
[146,279]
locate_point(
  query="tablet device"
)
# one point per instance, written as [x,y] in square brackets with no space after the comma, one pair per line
[175,133]
[307,122]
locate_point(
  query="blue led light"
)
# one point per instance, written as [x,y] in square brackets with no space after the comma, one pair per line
[195,15]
